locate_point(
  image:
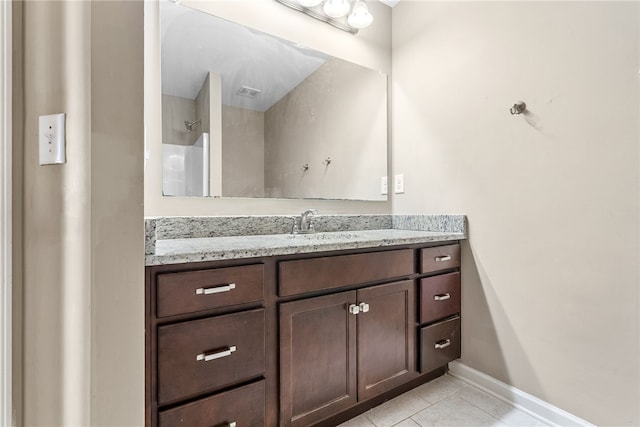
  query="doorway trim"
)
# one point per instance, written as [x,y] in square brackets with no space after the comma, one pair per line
[6,402]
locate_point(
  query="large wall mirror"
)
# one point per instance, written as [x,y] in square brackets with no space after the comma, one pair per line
[247,114]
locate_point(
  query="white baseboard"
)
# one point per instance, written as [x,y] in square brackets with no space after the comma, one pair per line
[533,406]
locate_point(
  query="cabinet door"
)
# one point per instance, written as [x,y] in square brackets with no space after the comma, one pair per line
[386,338]
[317,358]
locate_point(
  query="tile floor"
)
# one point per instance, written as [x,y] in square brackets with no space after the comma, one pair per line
[445,401]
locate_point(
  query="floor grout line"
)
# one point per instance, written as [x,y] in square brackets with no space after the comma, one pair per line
[482,409]
[443,389]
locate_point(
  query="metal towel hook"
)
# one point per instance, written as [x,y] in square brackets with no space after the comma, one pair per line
[518,108]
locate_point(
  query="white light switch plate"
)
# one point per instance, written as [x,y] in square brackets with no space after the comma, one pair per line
[383,186]
[51,139]
[398,184]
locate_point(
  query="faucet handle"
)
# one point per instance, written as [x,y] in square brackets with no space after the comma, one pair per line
[296,226]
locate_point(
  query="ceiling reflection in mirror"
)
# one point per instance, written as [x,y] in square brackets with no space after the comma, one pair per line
[247,114]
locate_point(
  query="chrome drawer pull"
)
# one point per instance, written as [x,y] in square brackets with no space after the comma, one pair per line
[442,344]
[216,290]
[443,258]
[442,297]
[354,309]
[217,355]
[364,307]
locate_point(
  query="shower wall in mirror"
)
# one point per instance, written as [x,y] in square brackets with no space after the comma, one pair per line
[284,121]
[186,166]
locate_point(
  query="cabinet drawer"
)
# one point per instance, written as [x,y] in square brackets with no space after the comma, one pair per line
[439,344]
[313,274]
[439,297]
[439,258]
[207,354]
[242,405]
[179,293]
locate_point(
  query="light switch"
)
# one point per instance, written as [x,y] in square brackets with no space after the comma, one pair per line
[383,186]
[398,184]
[51,139]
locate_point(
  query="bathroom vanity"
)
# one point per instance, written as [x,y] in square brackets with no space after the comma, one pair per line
[309,330]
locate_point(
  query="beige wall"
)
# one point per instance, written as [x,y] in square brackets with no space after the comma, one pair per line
[242,152]
[175,110]
[371,48]
[117,231]
[551,266]
[17,130]
[57,218]
[203,110]
[82,228]
[338,112]
[263,153]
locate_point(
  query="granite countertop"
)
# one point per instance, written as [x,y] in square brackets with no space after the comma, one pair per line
[175,250]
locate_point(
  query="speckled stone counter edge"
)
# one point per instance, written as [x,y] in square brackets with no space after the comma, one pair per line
[178,251]
[443,223]
[163,228]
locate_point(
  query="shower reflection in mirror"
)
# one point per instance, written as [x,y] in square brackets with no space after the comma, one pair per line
[264,107]
[189,125]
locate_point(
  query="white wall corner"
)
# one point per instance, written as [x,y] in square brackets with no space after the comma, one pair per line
[537,408]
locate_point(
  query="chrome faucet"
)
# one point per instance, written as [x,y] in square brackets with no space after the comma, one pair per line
[305,224]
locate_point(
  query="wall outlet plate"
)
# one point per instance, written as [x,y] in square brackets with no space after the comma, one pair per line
[51,139]
[398,184]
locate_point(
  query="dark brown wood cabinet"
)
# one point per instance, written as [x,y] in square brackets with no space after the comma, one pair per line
[343,348]
[439,296]
[440,343]
[386,338]
[300,340]
[193,291]
[439,258]
[317,358]
[440,306]
[241,406]
[208,354]
[206,345]
[331,272]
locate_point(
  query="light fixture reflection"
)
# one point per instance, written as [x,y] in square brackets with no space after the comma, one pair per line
[309,3]
[336,8]
[360,16]
[347,15]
